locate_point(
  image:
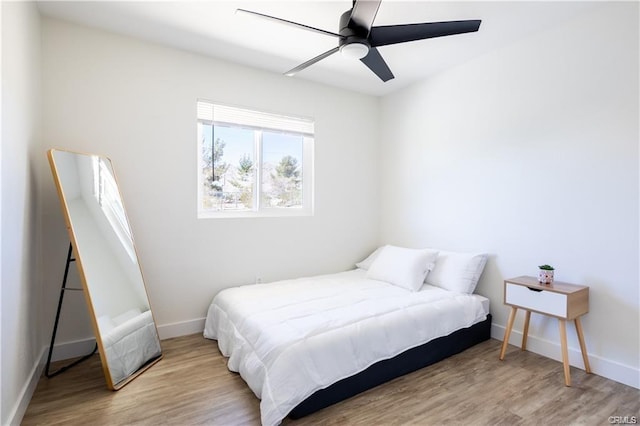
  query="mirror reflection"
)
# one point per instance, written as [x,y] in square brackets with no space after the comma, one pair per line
[105,253]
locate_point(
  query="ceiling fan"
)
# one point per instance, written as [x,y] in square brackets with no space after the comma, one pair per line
[359,39]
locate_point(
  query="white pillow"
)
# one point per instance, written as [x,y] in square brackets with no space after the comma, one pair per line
[403,267]
[124,317]
[105,324]
[366,263]
[457,272]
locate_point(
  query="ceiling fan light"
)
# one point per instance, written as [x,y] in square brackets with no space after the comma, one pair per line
[354,50]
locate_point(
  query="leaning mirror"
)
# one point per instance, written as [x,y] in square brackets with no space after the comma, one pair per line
[126,334]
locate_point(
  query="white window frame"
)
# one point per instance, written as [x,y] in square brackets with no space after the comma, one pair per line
[210,113]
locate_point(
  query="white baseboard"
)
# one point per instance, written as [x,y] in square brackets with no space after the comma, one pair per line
[72,349]
[621,373]
[17,413]
[183,328]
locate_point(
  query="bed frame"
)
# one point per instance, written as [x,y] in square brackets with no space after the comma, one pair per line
[404,363]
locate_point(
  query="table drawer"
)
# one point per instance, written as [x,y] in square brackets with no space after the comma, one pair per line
[544,301]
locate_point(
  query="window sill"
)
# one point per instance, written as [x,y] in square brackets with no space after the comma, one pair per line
[294,212]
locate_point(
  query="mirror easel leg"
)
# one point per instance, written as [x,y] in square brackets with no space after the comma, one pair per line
[47,373]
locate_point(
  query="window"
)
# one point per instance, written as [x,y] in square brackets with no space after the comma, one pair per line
[253,163]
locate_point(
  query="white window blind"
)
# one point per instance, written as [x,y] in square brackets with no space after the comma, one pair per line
[224,114]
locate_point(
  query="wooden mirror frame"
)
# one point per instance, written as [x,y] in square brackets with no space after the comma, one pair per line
[79,260]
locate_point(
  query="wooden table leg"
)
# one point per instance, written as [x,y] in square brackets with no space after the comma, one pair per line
[583,347]
[525,332]
[565,353]
[507,333]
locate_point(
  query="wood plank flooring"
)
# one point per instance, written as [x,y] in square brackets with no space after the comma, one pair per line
[192,385]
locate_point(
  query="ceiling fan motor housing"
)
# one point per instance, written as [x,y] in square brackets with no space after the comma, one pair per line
[351,34]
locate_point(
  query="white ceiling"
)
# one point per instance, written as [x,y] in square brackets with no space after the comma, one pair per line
[213,28]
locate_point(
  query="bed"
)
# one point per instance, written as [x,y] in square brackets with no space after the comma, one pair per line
[303,344]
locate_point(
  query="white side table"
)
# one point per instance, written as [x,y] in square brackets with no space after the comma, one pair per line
[560,300]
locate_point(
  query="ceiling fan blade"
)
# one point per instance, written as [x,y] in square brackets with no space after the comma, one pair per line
[392,34]
[364,12]
[310,62]
[376,63]
[284,21]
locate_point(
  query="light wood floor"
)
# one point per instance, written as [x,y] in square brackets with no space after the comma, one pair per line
[192,385]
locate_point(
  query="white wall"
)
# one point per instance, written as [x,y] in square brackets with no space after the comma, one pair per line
[530,153]
[135,102]
[22,337]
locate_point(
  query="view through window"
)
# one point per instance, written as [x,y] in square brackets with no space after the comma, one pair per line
[253,163]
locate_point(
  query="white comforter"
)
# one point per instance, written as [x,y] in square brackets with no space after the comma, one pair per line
[130,345]
[291,338]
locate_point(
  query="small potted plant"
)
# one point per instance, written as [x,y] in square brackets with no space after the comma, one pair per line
[545,275]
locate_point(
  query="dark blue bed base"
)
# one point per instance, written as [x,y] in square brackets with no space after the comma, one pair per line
[404,363]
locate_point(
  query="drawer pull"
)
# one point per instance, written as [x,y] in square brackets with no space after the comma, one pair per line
[535,289]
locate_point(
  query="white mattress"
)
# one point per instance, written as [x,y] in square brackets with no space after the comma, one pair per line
[291,338]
